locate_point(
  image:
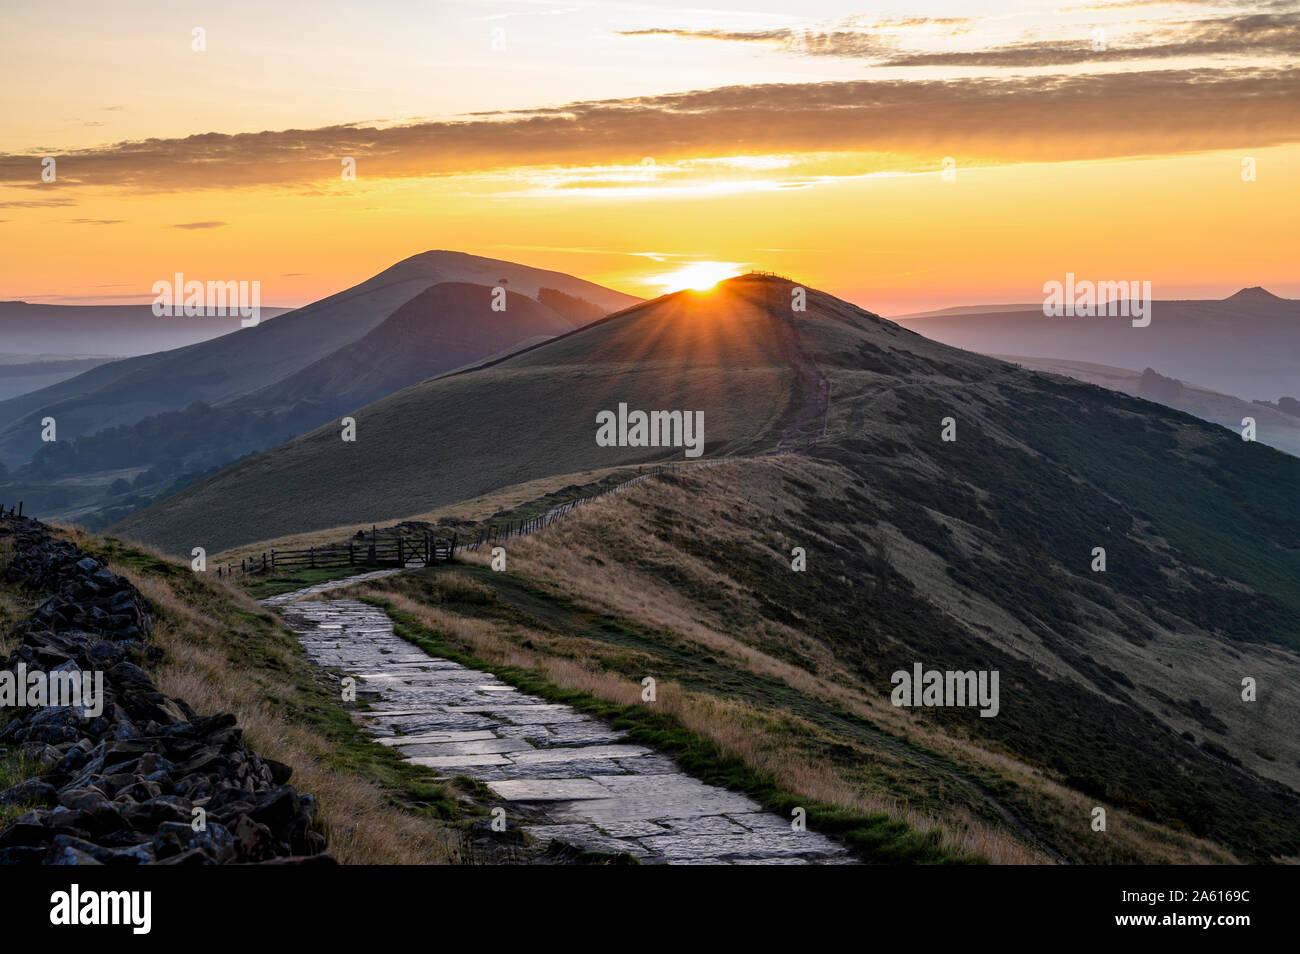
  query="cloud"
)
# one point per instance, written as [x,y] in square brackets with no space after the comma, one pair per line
[1031,119]
[95,221]
[35,203]
[1256,35]
[198,225]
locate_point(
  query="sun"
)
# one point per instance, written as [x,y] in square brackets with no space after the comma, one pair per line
[699,276]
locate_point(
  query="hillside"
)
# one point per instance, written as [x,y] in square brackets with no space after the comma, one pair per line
[1246,345]
[124,392]
[445,326]
[532,415]
[1115,687]
[83,330]
[132,432]
[1119,687]
[1273,427]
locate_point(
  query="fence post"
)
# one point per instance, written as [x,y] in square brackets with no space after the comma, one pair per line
[263,561]
[20,508]
[273,558]
[400,558]
[451,554]
[350,556]
[313,558]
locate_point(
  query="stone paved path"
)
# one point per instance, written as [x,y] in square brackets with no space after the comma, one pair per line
[563,775]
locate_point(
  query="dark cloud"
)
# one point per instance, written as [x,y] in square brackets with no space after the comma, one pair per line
[95,221]
[1108,115]
[198,225]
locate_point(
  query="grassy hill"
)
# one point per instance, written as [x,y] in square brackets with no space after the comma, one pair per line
[525,417]
[1247,344]
[444,327]
[236,364]
[687,579]
[134,432]
[1274,427]
[1119,688]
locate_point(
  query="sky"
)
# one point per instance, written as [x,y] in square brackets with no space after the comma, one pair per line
[904,156]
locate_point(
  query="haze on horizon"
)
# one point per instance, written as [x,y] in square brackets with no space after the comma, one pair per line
[636,144]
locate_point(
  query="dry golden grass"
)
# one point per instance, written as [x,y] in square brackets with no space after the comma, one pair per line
[475,508]
[757,737]
[732,498]
[12,606]
[362,825]
[207,663]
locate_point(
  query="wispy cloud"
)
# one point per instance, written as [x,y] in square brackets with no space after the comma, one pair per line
[1042,118]
[198,225]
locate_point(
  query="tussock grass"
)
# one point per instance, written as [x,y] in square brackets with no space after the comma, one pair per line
[724,741]
[223,652]
[763,691]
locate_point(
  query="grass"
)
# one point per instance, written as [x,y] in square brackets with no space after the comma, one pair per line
[769,665]
[223,652]
[876,837]
[457,437]
[15,768]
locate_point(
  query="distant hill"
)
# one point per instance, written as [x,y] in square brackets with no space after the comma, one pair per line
[83,330]
[1246,345]
[124,392]
[1273,427]
[21,373]
[445,326]
[132,431]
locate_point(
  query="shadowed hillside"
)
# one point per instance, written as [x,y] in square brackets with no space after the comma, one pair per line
[1116,689]
[124,392]
[951,507]
[447,325]
[133,432]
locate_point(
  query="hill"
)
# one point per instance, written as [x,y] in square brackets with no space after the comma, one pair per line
[1273,427]
[444,327]
[86,330]
[1121,683]
[244,361]
[1110,695]
[1247,345]
[132,432]
[534,414]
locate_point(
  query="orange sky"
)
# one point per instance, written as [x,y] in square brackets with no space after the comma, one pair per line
[625,142]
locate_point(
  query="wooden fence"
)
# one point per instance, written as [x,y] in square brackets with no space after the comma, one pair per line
[399,550]
[372,550]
